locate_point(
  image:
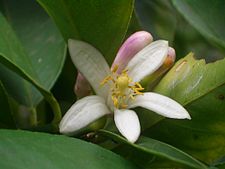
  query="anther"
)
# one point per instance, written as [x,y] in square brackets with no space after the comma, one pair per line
[122,87]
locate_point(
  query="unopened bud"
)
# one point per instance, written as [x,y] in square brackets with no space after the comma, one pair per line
[130,48]
[169,61]
[82,87]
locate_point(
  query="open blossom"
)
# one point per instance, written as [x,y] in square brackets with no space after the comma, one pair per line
[118,89]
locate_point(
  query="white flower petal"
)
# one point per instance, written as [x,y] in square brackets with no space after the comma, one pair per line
[147,60]
[82,113]
[128,124]
[92,65]
[160,104]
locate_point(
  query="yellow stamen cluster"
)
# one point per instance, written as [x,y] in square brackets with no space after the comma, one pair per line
[122,88]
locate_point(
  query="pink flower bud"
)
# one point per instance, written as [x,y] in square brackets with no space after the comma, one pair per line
[170,59]
[130,48]
[82,87]
[150,81]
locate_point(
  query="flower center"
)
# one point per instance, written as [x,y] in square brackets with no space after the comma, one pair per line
[122,87]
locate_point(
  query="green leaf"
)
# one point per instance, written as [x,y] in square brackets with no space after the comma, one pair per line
[25,150]
[41,40]
[37,54]
[6,119]
[39,36]
[162,19]
[12,52]
[200,87]
[222,166]
[204,135]
[187,39]
[155,147]
[190,79]
[187,81]
[100,23]
[157,17]
[206,16]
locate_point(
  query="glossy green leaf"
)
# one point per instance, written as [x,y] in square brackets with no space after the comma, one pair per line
[41,40]
[102,23]
[187,81]
[12,52]
[162,19]
[25,150]
[206,16]
[187,39]
[36,53]
[190,79]
[157,17]
[200,87]
[145,160]
[155,147]
[204,135]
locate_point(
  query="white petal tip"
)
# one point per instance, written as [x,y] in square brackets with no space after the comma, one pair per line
[128,124]
[65,126]
[162,105]
[182,114]
[82,113]
[133,139]
[64,130]
[61,128]
[179,114]
[188,117]
[162,42]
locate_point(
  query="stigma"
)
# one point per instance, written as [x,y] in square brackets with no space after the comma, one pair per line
[122,87]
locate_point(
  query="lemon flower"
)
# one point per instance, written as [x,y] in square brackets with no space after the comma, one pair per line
[118,90]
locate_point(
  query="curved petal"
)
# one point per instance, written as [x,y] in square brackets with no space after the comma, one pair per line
[160,104]
[92,65]
[130,48]
[82,113]
[147,60]
[128,124]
